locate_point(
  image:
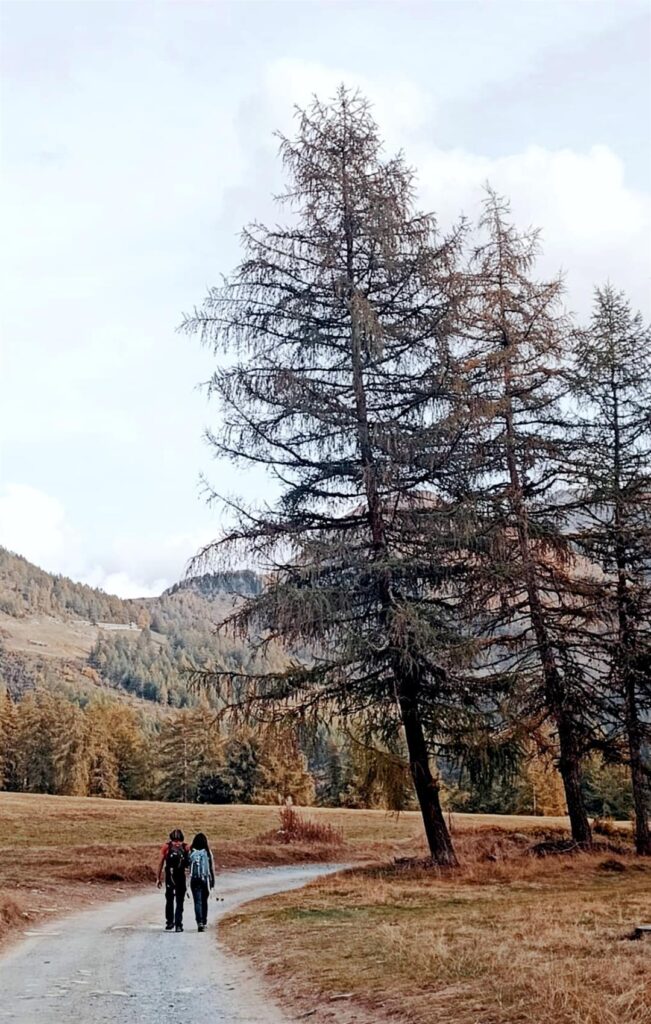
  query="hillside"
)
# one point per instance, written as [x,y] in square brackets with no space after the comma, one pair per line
[56,631]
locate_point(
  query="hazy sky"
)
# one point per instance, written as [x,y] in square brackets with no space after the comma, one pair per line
[137,140]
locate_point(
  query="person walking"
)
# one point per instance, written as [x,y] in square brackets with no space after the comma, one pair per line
[202,878]
[174,859]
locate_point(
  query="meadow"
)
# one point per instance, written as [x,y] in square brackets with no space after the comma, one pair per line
[509,938]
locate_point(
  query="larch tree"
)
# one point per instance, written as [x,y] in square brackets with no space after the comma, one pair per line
[189,748]
[515,332]
[340,383]
[611,477]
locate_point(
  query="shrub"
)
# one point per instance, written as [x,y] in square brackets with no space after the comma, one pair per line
[296,829]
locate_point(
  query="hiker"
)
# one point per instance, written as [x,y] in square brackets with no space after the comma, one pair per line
[175,858]
[202,878]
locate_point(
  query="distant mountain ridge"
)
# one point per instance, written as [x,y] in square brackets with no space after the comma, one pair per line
[242,583]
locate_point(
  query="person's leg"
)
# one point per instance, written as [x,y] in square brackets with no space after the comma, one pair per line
[196,896]
[169,905]
[204,903]
[180,900]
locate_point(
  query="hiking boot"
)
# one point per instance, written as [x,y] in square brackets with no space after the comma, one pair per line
[178,928]
[169,927]
[200,927]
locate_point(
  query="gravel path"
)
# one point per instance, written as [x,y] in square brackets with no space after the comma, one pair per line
[118,963]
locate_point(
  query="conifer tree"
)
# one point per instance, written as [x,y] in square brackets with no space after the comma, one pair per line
[283,772]
[610,469]
[341,383]
[68,729]
[188,749]
[8,726]
[515,333]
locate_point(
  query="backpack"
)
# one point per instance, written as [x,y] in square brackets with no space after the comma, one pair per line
[199,866]
[176,859]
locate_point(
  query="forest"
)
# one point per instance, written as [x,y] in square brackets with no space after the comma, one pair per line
[125,722]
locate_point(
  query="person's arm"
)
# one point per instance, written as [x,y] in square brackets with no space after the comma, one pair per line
[212,869]
[159,873]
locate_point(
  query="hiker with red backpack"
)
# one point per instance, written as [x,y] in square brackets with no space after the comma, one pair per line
[175,859]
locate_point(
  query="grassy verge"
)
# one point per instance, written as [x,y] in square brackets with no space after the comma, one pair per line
[509,939]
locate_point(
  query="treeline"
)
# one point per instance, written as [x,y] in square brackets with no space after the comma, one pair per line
[462,532]
[176,631]
[50,744]
[27,590]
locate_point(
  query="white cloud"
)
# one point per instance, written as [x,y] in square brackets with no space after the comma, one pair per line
[595,227]
[122,584]
[33,524]
[125,194]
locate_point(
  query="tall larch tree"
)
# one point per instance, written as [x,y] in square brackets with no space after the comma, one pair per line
[611,477]
[515,333]
[339,381]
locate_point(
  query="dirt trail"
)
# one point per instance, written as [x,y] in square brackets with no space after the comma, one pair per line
[118,963]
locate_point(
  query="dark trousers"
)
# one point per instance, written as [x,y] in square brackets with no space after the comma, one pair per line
[200,894]
[174,894]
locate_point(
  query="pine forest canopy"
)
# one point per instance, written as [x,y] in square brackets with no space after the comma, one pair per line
[415,398]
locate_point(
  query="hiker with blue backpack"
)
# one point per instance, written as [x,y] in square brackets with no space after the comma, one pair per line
[202,878]
[175,859]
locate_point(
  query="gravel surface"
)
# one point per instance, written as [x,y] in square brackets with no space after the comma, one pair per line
[118,963]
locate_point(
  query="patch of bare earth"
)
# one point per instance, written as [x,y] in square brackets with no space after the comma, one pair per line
[511,938]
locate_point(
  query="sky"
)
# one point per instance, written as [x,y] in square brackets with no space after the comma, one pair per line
[137,140]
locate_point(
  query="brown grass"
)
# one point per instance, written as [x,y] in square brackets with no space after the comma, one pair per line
[69,851]
[508,939]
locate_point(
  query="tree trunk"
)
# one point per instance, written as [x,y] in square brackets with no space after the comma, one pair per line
[569,766]
[426,786]
[638,779]
[625,655]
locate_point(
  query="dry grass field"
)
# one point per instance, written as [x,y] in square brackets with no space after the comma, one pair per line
[68,851]
[509,939]
[74,850]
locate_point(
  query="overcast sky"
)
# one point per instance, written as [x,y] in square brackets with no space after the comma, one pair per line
[137,140]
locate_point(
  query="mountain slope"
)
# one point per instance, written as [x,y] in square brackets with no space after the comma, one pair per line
[55,631]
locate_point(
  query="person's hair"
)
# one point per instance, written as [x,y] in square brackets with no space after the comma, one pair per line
[176,835]
[200,842]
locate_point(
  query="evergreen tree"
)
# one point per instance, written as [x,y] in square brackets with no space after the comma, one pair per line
[283,770]
[188,750]
[516,333]
[610,467]
[8,730]
[342,385]
[68,728]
